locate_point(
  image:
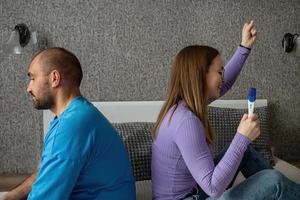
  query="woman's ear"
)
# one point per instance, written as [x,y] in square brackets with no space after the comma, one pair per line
[55,78]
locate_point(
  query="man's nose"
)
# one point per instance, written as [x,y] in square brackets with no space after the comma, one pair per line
[28,88]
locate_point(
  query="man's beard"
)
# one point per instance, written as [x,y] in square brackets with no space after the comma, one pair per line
[46,101]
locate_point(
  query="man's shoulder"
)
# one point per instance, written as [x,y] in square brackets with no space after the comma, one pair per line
[84,116]
[82,109]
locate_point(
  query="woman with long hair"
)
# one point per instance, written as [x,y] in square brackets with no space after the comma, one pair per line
[183,166]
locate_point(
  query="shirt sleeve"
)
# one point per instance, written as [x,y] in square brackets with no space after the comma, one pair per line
[56,178]
[234,67]
[65,153]
[190,139]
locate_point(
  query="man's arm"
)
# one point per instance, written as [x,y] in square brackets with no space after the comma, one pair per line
[21,191]
[56,178]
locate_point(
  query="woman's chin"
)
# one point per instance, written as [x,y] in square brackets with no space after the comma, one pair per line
[217,95]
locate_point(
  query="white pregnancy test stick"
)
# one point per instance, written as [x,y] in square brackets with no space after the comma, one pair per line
[251,101]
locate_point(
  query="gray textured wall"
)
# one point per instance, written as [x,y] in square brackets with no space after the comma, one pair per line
[126,48]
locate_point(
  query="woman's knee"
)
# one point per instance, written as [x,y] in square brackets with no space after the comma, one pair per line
[272,176]
[250,150]
[256,157]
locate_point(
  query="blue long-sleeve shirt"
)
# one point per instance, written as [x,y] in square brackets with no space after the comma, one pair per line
[83,158]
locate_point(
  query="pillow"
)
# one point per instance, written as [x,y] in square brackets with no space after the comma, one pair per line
[137,139]
[225,122]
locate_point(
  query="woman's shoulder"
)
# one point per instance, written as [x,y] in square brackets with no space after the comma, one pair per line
[182,115]
[185,122]
[183,112]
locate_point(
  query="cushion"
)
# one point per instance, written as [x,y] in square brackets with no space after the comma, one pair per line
[137,139]
[225,122]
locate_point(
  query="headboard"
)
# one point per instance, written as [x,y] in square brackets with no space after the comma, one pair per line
[145,111]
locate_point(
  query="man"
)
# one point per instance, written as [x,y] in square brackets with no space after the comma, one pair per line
[83,157]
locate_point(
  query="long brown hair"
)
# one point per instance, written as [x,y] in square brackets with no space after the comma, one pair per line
[187,82]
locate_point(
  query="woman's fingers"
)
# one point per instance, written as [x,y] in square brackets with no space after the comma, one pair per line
[249,26]
[245,116]
[253,32]
[254,117]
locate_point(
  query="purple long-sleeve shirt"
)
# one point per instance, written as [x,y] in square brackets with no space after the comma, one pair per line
[181,157]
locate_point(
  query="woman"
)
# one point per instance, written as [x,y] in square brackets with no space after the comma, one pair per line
[182,163]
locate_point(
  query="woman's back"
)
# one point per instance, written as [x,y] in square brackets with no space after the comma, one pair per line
[168,166]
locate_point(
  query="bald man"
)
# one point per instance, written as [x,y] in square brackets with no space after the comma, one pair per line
[83,157]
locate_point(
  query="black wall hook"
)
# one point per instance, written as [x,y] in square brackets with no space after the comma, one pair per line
[24,34]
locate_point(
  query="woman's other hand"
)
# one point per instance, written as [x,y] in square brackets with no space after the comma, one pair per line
[249,127]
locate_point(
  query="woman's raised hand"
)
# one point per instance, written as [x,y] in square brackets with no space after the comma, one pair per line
[248,34]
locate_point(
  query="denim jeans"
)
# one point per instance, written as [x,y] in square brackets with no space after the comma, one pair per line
[262,182]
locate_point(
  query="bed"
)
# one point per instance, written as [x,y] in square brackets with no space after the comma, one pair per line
[147,111]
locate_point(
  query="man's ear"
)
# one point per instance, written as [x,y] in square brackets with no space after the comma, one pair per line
[55,78]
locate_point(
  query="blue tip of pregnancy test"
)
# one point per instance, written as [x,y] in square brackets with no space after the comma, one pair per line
[252,94]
